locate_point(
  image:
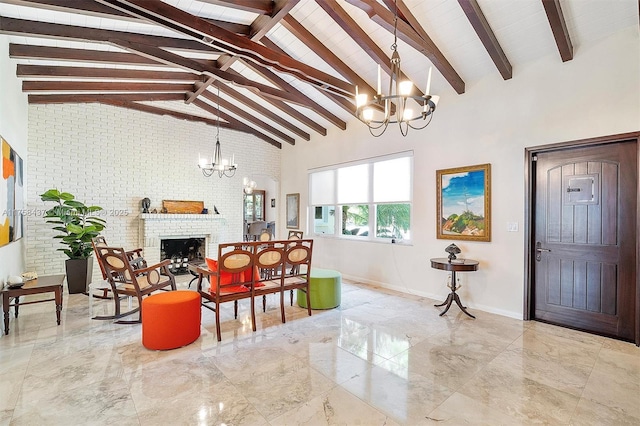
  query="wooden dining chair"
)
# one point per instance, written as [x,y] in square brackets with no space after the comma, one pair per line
[265,235]
[126,281]
[298,255]
[295,235]
[232,279]
[270,260]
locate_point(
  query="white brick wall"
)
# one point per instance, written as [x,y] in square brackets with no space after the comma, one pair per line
[113,157]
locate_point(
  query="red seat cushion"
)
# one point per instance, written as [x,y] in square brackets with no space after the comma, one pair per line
[226,277]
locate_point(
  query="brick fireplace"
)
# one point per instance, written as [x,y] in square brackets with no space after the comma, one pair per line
[157,227]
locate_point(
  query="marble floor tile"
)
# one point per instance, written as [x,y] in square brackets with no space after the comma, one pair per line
[520,397]
[337,407]
[615,382]
[404,396]
[562,374]
[381,358]
[589,413]
[459,409]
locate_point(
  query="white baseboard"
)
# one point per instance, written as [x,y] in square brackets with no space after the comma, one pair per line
[434,296]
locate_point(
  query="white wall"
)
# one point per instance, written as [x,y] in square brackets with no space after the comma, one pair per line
[13,128]
[114,157]
[595,94]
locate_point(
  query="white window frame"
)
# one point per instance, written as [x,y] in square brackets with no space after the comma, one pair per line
[337,232]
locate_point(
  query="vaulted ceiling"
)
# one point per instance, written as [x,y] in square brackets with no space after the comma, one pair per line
[283,70]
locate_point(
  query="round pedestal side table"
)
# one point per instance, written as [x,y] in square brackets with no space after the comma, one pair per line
[453,266]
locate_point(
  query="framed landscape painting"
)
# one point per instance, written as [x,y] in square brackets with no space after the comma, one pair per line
[293,211]
[463,198]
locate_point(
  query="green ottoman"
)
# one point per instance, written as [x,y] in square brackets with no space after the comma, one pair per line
[325,289]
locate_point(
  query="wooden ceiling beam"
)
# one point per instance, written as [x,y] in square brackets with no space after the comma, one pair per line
[193,65]
[559,28]
[244,114]
[163,111]
[239,97]
[93,8]
[345,103]
[238,125]
[101,86]
[260,27]
[298,95]
[357,34]
[479,23]
[264,23]
[292,112]
[24,51]
[385,18]
[26,71]
[305,36]
[261,7]
[98,97]
[178,20]
[199,87]
[49,71]
[23,27]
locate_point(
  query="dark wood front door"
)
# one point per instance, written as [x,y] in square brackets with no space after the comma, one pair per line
[584,262]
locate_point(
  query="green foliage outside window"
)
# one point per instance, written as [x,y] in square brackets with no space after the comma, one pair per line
[393,220]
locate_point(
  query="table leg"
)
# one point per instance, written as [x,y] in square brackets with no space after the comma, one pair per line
[462,308]
[446,302]
[17,303]
[453,296]
[58,294]
[5,308]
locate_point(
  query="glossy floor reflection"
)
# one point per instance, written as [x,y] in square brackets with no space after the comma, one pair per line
[381,358]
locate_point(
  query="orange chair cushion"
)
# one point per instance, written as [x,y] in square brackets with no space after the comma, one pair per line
[226,277]
[170,319]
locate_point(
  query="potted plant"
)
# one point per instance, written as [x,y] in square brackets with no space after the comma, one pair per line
[76,224]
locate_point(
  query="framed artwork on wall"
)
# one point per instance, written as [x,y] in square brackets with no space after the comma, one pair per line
[293,211]
[11,194]
[463,203]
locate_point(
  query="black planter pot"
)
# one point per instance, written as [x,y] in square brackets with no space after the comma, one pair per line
[79,274]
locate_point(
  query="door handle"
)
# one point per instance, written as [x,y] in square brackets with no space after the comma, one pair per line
[540,250]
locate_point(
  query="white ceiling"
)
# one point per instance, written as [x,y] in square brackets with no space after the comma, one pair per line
[520,26]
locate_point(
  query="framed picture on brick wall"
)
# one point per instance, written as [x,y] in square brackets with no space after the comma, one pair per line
[293,211]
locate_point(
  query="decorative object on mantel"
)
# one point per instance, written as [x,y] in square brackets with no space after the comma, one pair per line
[219,165]
[205,211]
[399,93]
[184,207]
[215,209]
[452,249]
[76,225]
[145,205]
[154,211]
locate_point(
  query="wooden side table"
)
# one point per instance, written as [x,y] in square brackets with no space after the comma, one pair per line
[45,284]
[457,265]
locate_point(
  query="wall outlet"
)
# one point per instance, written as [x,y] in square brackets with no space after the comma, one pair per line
[512,226]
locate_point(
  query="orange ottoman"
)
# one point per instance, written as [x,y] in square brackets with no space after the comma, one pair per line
[170,319]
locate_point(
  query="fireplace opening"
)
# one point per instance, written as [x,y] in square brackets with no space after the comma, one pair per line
[181,251]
